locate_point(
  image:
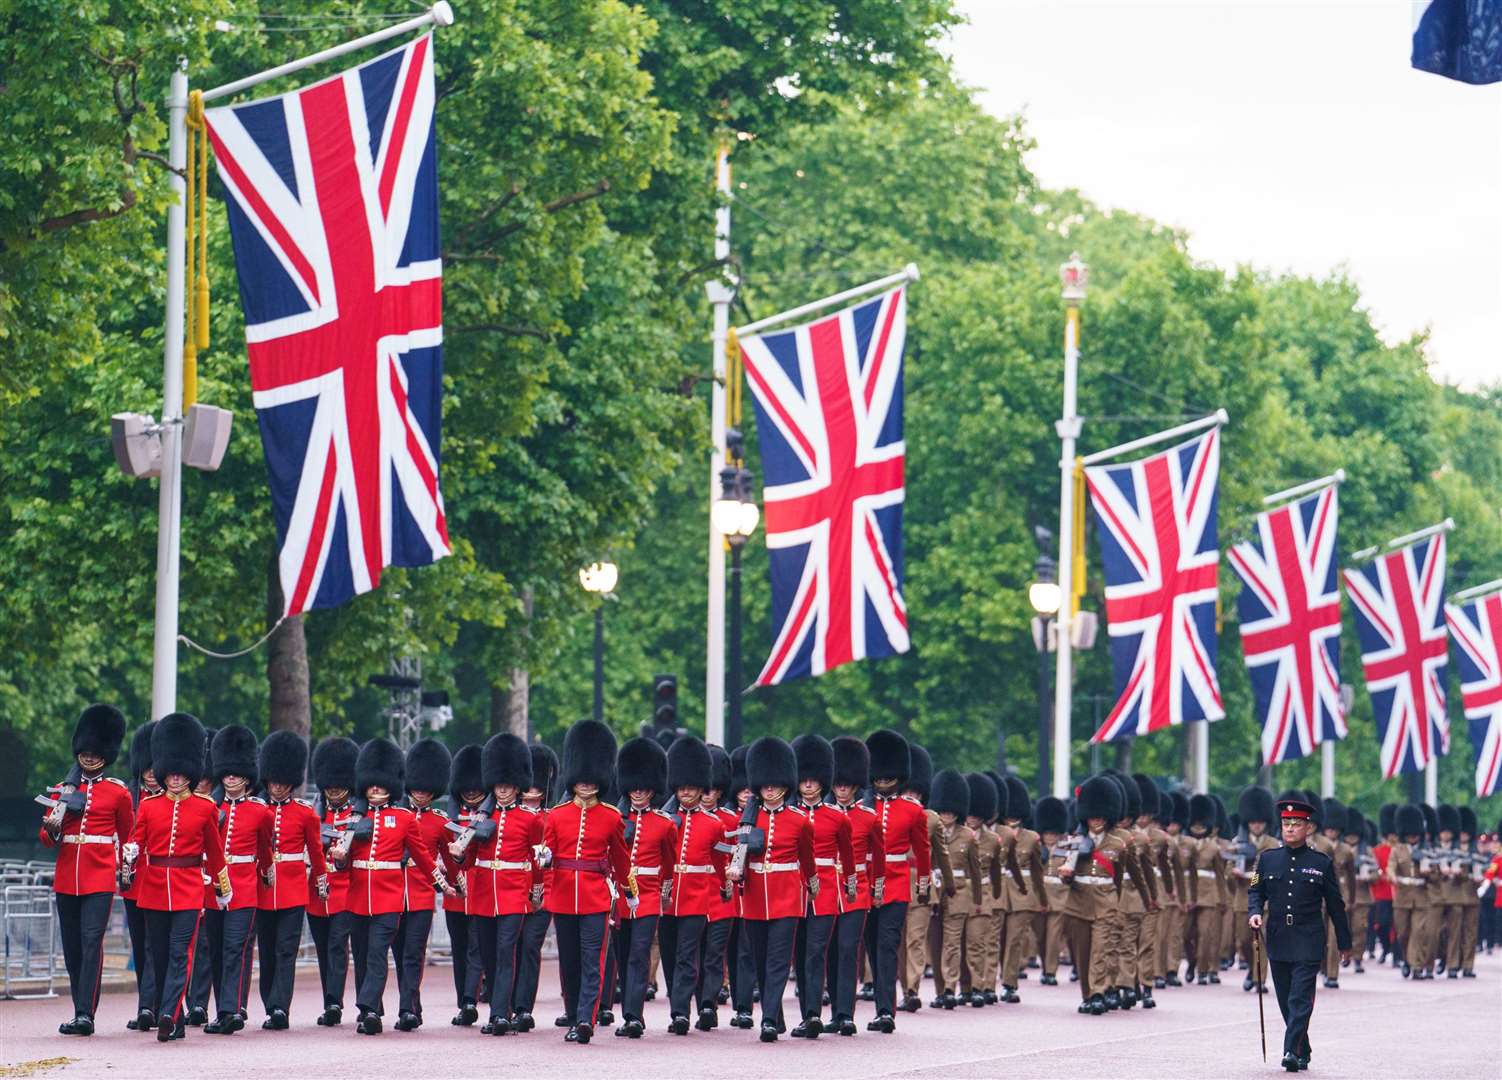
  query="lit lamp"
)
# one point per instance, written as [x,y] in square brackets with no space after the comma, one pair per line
[1046,597]
[599,578]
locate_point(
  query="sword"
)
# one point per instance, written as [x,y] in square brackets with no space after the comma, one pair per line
[1257,953]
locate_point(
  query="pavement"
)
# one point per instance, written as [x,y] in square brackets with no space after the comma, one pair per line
[1377,1025]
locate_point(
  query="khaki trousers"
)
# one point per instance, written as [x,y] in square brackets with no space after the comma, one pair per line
[1206,940]
[1053,942]
[1027,927]
[1147,948]
[1470,921]
[1105,938]
[1421,953]
[1128,941]
[1170,941]
[915,946]
[1449,930]
[951,951]
[1082,938]
[1404,929]
[978,946]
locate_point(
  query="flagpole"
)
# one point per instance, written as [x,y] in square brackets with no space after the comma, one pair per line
[169,492]
[1075,276]
[906,274]
[1406,538]
[1431,779]
[721,293]
[1337,477]
[1478,590]
[1327,768]
[1215,419]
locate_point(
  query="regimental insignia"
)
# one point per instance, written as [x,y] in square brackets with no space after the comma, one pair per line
[1256,877]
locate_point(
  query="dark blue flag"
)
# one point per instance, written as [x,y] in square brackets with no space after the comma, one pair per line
[1460,39]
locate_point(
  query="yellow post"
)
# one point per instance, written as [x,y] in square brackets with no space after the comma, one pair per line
[197,310]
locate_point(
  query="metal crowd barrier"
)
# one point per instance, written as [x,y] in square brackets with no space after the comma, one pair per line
[30,963]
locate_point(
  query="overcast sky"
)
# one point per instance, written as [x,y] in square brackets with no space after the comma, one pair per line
[1291,135]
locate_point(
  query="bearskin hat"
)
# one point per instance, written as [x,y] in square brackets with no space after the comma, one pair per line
[1148,794]
[1449,819]
[950,794]
[719,762]
[1333,814]
[738,781]
[100,730]
[233,753]
[334,763]
[283,759]
[178,745]
[1256,804]
[1129,793]
[1202,811]
[920,776]
[544,768]
[1052,815]
[1313,799]
[771,763]
[1098,797]
[852,761]
[1355,823]
[689,763]
[428,766]
[891,756]
[1431,819]
[1003,794]
[588,757]
[1467,818]
[1180,809]
[208,753]
[140,750]
[465,773]
[815,760]
[1019,801]
[1408,821]
[983,794]
[641,765]
[1387,819]
[380,764]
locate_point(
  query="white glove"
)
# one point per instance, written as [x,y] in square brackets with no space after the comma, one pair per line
[223,901]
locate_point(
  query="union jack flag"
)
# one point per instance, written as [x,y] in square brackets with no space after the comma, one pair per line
[333,210]
[1399,614]
[828,399]
[1476,628]
[1157,527]
[1290,625]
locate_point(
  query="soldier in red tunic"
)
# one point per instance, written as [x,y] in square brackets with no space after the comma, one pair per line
[473,972]
[712,990]
[587,868]
[207,962]
[535,923]
[175,838]
[834,858]
[329,917]
[741,960]
[428,764]
[88,816]
[777,876]
[285,881]
[245,835]
[651,838]
[851,774]
[143,782]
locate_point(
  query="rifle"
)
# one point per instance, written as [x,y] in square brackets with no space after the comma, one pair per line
[1258,951]
[745,838]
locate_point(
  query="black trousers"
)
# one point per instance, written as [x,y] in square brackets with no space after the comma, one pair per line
[844,956]
[1381,918]
[682,937]
[140,956]
[633,951]
[172,936]
[529,960]
[742,968]
[232,935]
[410,948]
[610,984]
[208,961]
[810,955]
[772,952]
[884,928]
[480,983]
[465,947]
[331,935]
[582,943]
[508,944]
[1294,982]
[278,937]
[373,936]
[714,942]
[82,920]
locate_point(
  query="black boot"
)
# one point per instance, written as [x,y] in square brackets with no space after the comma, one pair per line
[79,1025]
[467,1015]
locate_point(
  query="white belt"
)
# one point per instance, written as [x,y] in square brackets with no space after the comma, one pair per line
[376,864]
[693,868]
[773,867]
[501,864]
[1093,880]
[235,860]
[826,862]
[1053,880]
[87,838]
[1412,881]
[899,857]
[289,856]
[646,871]
[958,875]
[1205,873]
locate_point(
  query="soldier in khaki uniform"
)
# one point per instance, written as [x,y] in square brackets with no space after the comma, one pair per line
[1431,905]
[1257,813]
[1052,818]
[980,972]
[1365,874]
[1453,880]
[951,801]
[1333,825]
[915,952]
[1175,822]
[1470,903]
[1409,885]
[1126,926]
[1225,839]
[1027,907]
[1153,857]
[1205,872]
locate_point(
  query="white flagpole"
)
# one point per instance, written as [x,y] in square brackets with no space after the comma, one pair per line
[906,274]
[1477,590]
[169,493]
[1215,419]
[1337,477]
[721,293]
[1406,538]
[1075,276]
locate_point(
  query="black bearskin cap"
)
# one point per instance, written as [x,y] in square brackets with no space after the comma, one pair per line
[1019,801]
[1052,815]
[1131,797]
[140,750]
[852,761]
[1256,804]
[689,763]
[1202,811]
[738,781]
[1003,795]
[380,764]
[178,745]
[1098,797]
[982,796]
[950,794]
[284,759]
[891,756]
[719,762]
[1467,818]
[506,759]
[1431,819]
[1333,814]
[641,765]
[920,776]
[815,760]
[428,765]
[544,768]
[588,757]
[465,771]
[1355,823]
[1409,821]
[1147,792]
[1312,797]
[100,730]
[1180,809]
[771,763]
[1449,818]
[334,763]
[233,753]
[1387,815]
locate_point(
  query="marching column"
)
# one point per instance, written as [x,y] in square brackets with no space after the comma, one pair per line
[245,832]
[652,839]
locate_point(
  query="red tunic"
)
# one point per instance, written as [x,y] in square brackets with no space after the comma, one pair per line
[730,906]
[699,865]
[588,846]
[295,846]
[377,879]
[653,842]
[245,838]
[176,836]
[904,835]
[338,900]
[777,877]
[834,857]
[90,840]
[503,869]
[465,817]
[870,853]
[432,827]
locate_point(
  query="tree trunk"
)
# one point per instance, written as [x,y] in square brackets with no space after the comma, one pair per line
[286,665]
[510,704]
[1124,755]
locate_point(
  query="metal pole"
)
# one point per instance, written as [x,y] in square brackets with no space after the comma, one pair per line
[1431,781]
[1215,419]
[907,274]
[1068,428]
[169,494]
[1200,732]
[1416,787]
[733,734]
[1044,704]
[1327,769]
[1337,477]
[600,664]
[720,296]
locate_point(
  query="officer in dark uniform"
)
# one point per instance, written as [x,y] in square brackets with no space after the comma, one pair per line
[1297,887]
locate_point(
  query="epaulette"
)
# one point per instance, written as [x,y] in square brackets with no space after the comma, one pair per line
[617,809]
[664,814]
[440,811]
[115,780]
[255,799]
[305,802]
[529,809]
[152,795]
[912,799]
[862,806]
[206,798]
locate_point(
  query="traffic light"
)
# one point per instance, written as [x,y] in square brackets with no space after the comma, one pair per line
[665,702]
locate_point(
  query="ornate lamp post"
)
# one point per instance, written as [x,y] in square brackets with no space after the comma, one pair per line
[736,516]
[599,578]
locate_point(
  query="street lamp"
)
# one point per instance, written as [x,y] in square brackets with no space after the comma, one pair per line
[1046,597]
[599,578]
[735,516]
